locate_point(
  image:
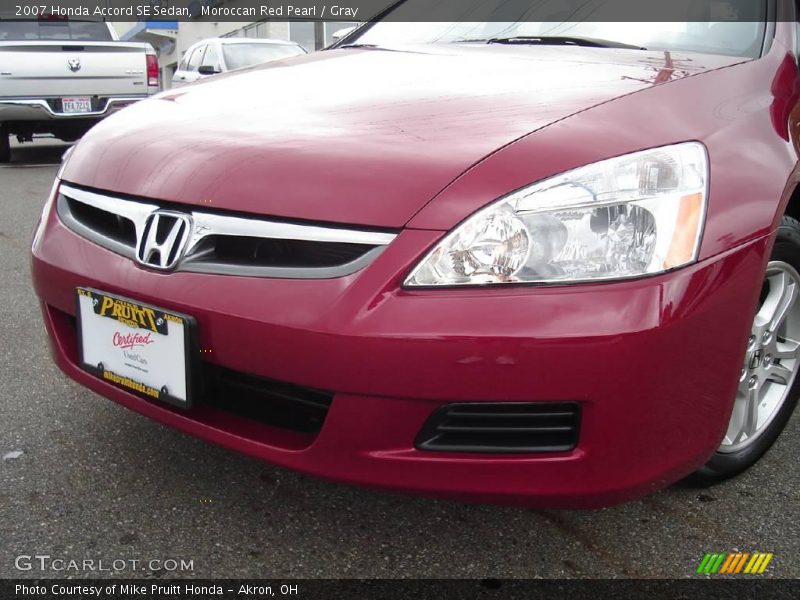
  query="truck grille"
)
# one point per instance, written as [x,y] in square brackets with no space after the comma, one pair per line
[224,243]
[502,427]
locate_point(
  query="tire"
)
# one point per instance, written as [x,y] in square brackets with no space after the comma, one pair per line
[733,458]
[5,146]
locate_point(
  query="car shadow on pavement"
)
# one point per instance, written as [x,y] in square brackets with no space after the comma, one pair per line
[40,152]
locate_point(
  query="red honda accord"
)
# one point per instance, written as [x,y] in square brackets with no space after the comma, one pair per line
[550,264]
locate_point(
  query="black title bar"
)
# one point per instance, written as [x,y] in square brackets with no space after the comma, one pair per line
[401,589]
[404,11]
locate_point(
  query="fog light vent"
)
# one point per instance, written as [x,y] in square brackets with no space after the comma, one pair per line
[502,427]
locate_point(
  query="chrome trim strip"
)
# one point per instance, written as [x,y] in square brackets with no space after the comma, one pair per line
[209,224]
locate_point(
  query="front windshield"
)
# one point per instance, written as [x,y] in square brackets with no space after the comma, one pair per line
[738,29]
[246,55]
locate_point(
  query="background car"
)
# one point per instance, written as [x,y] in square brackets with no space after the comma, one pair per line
[219,55]
[62,77]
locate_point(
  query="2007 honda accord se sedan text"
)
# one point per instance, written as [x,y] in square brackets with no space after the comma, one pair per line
[534,263]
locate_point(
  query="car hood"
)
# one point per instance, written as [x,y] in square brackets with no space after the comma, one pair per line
[357,136]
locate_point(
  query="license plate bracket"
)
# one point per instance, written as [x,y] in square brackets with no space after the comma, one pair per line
[139,347]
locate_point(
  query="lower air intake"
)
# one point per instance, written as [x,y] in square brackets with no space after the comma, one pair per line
[502,427]
[274,403]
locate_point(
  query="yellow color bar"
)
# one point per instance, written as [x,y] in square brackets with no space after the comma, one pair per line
[767,558]
[754,562]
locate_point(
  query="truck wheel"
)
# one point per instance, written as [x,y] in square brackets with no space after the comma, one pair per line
[768,383]
[5,146]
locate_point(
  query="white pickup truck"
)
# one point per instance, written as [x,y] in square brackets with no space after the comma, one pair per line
[61,77]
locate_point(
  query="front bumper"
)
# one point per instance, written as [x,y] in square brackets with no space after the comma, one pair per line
[654,364]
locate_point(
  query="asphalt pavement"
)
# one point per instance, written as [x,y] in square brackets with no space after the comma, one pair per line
[82,478]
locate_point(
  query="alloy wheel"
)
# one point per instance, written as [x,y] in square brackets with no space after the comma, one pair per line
[772,359]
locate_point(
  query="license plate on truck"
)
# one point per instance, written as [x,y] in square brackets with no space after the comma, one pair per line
[139,347]
[76,105]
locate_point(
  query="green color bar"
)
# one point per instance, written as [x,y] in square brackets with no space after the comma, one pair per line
[703,563]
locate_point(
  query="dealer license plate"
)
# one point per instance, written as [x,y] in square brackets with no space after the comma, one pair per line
[136,346]
[76,105]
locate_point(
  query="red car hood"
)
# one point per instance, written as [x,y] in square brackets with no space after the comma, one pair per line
[353,136]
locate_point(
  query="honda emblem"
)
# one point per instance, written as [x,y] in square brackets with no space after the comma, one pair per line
[163,239]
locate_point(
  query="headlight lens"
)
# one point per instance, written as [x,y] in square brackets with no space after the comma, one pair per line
[629,216]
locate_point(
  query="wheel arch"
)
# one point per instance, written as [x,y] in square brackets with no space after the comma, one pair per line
[792,207]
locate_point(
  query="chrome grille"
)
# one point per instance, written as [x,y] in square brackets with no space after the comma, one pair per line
[222,243]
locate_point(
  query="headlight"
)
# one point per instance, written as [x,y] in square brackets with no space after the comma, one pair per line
[634,215]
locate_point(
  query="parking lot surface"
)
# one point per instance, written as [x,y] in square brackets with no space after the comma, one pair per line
[84,479]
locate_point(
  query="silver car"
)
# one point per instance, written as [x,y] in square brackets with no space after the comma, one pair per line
[218,55]
[63,76]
